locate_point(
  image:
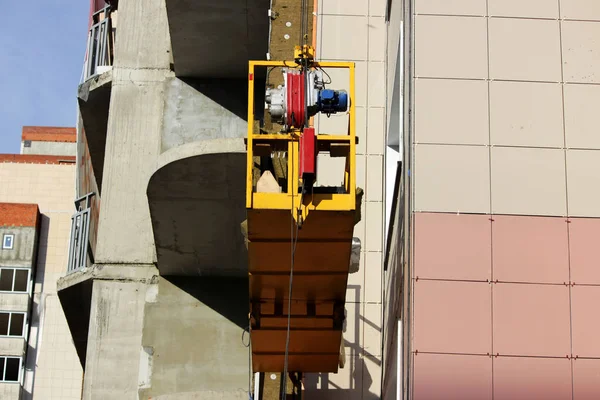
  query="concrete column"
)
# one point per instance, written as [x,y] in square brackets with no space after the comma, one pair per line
[142,63]
[114,341]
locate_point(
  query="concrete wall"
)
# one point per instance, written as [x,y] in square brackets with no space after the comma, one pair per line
[10,390]
[24,245]
[193,331]
[356,31]
[206,109]
[145,339]
[52,368]
[50,148]
[13,346]
[505,199]
[134,132]
[114,341]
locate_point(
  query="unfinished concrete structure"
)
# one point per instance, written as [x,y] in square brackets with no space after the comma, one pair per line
[159,307]
[492,279]
[36,194]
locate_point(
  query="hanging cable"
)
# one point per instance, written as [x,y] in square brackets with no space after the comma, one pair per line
[247,329]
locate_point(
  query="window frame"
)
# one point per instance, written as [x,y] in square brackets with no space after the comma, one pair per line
[12,241]
[3,372]
[23,328]
[15,269]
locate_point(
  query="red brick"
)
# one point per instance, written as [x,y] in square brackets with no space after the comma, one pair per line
[49,134]
[19,214]
[36,159]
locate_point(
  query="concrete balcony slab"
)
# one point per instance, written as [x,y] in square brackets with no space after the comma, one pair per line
[215,38]
[196,198]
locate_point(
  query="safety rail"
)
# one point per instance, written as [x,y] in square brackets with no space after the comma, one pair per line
[100,43]
[80,232]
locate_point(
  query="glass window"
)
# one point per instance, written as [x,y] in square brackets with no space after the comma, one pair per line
[12,324]
[10,368]
[14,280]
[17,321]
[6,279]
[4,319]
[21,280]
[8,242]
[11,372]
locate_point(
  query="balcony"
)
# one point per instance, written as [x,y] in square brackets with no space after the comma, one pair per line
[100,45]
[80,254]
[95,90]
[200,30]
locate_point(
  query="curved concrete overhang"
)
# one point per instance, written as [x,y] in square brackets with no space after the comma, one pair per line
[197,203]
[216,38]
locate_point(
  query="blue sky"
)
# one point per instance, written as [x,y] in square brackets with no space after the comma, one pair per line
[42,47]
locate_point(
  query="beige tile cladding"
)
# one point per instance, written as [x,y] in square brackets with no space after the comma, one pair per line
[580,9]
[528,181]
[356,31]
[519,80]
[521,8]
[583,173]
[452,178]
[526,114]
[524,49]
[57,371]
[450,47]
[451,7]
[582,119]
[440,118]
[581,51]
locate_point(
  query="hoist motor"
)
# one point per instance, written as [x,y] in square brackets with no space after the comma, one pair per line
[287,103]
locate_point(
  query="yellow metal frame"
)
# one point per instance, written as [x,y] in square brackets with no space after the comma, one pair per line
[291,199]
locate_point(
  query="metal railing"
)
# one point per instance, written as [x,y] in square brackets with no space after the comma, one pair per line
[80,233]
[99,46]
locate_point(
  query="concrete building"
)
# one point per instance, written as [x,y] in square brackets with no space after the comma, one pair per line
[491,281]
[159,303]
[37,355]
[478,159]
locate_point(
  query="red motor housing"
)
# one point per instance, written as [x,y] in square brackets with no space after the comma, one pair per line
[307,170]
[296,99]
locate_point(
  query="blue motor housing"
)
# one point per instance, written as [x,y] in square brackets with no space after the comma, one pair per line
[332,101]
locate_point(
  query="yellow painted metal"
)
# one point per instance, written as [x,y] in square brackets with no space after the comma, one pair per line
[322,248]
[304,51]
[291,199]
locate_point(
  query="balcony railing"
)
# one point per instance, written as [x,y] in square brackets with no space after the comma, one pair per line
[80,233]
[100,44]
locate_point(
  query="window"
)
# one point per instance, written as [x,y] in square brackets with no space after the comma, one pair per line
[14,280]
[8,242]
[12,323]
[10,368]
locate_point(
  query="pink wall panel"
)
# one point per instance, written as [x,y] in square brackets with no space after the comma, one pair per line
[586,379]
[452,377]
[452,317]
[525,378]
[585,301]
[531,320]
[452,246]
[530,249]
[585,250]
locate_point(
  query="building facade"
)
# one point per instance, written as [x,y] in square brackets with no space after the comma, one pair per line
[159,305]
[36,194]
[477,157]
[491,279]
